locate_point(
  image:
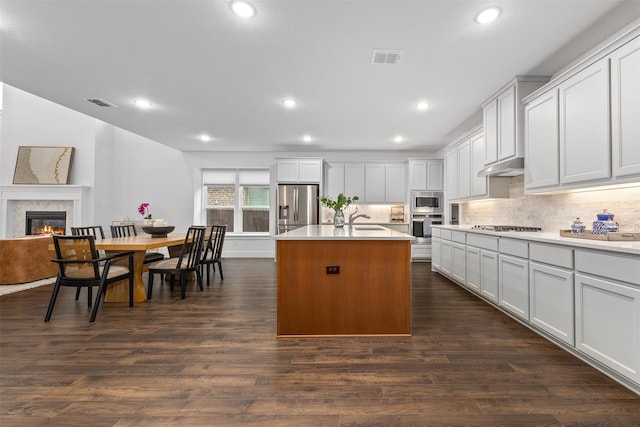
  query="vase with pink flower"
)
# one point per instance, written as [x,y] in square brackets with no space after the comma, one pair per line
[144,210]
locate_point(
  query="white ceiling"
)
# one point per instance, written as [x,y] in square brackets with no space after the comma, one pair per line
[208,71]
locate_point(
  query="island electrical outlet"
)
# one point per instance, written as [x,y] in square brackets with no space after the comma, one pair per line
[333,269]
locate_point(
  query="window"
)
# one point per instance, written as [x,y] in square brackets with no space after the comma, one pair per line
[238,198]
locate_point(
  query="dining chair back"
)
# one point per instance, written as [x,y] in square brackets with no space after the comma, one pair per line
[92,230]
[213,250]
[187,262]
[80,266]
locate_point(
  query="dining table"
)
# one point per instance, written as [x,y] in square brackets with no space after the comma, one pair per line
[119,291]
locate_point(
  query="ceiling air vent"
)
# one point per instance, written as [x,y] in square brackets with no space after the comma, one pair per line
[101,102]
[381,56]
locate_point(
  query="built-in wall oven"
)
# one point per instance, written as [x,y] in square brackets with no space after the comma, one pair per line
[421,226]
[427,202]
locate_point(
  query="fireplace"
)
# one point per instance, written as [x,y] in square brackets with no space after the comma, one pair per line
[45,222]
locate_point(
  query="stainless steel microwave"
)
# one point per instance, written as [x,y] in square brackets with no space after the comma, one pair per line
[427,201]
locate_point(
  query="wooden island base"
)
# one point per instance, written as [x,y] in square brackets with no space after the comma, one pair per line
[371,294]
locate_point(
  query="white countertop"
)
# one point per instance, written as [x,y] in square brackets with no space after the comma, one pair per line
[357,232]
[554,238]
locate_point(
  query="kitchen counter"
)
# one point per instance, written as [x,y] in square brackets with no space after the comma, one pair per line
[357,232]
[554,238]
[344,281]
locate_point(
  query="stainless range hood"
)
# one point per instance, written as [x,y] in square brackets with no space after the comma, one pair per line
[511,167]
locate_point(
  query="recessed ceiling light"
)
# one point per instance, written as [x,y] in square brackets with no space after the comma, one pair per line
[289,103]
[397,139]
[488,15]
[306,138]
[243,9]
[422,105]
[205,138]
[143,103]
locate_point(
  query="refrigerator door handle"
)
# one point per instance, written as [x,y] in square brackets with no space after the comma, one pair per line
[295,204]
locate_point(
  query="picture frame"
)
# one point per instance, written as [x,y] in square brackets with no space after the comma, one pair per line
[37,165]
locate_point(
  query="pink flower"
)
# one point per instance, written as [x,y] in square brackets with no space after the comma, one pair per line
[142,209]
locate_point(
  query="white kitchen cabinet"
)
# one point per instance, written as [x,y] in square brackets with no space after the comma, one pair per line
[375,182]
[354,180]
[514,285]
[552,300]
[435,254]
[473,274]
[299,170]
[625,109]
[478,184]
[542,143]
[385,183]
[608,323]
[489,275]
[490,125]
[585,153]
[334,180]
[445,257]
[435,175]
[503,118]
[464,170]
[395,183]
[458,262]
[451,170]
[417,175]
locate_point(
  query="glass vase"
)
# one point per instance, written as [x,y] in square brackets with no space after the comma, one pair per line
[338,219]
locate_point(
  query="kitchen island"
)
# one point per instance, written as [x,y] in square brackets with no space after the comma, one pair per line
[344,281]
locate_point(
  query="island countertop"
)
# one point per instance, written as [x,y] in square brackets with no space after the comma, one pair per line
[355,232]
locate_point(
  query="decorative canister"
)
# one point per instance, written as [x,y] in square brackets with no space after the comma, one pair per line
[577,227]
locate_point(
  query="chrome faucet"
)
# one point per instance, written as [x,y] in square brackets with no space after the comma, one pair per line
[353,217]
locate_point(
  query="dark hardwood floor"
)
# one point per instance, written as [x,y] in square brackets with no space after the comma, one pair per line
[212,359]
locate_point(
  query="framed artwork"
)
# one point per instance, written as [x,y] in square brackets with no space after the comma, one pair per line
[43,165]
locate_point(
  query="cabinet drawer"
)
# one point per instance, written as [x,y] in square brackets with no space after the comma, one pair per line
[445,234]
[551,254]
[514,247]
[483,241]
[436,232]
[459,236]
[610,265]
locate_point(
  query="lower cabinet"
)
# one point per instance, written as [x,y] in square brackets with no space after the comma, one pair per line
[489,275]
[608,323]
[473,269]
[514,285]
[435,253]
[458,262]
[551,300]
[445,256]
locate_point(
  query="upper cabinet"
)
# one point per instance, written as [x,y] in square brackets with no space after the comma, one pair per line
[625,110]
[463,162]
[503,118]
[582,129]
[304,170]
[426,175]
[371,182]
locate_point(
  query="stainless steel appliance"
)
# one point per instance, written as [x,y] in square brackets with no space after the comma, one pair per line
[506,228]
[427,202]
[297,206]
[421,226]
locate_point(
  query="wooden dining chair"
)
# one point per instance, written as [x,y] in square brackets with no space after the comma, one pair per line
[187,262]
[212,254]
[80,266]
[91,230]
[128,230]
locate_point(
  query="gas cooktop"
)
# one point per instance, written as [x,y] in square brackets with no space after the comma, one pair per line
[505,228]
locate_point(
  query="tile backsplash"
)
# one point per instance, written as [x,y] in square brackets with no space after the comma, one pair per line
[556,211]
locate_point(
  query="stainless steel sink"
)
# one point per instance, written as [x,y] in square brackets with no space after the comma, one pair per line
[368,228]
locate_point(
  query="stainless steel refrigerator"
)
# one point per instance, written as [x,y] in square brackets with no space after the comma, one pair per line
[297,206]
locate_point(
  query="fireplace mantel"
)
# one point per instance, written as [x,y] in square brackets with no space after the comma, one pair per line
[78,194]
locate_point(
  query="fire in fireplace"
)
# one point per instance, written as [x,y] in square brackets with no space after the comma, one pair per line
[46,222]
